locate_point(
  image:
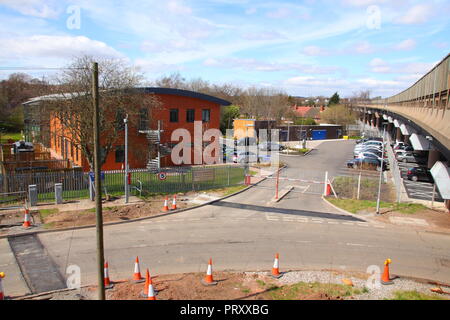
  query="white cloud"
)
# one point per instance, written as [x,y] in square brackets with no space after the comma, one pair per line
[64,47]
[35,8]
[363,3]
[315,51]
[406,45]
[263,66]
[178,7]
[417,14]
[363,47]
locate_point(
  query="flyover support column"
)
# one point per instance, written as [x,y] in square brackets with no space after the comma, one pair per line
[433,157]
[398,136]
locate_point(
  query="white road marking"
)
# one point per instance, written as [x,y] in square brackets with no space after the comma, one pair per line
[348,223]
[355,244]
[332,222]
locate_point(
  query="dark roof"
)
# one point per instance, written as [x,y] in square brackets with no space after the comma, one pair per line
[155,90]
[185,93]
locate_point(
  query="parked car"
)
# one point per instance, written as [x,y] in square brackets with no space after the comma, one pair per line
[403,148]
[370,155]
[367,164]
[372,149]
[271,146]
[368,143]
[246,157]
[365,139]
[22,146]
[246,141]
[419,174]
[408,156]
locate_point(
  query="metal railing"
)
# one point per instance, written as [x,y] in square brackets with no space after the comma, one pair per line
[75,183]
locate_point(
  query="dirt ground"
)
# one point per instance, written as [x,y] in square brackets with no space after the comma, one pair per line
[110,214]
[231,286]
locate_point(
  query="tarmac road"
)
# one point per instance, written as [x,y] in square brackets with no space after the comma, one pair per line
[244,233]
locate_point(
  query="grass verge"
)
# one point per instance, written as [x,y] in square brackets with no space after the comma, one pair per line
[415,295]
[313,290]
[354,206]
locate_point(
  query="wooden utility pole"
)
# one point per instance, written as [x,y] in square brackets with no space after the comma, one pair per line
[98,183]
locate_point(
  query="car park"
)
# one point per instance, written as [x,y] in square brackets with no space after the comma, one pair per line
[419,174]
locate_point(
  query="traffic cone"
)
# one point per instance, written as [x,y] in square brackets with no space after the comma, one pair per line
[2,295]
[107,282]
[385,278]
[276,269]
[208,280]
[151,290]
[137,272]
[27,219]
[166,206]
[174,202]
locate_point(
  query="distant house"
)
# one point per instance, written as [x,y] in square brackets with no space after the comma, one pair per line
[179,109]
[308,111]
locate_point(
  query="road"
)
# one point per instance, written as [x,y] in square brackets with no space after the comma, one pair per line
[244,232]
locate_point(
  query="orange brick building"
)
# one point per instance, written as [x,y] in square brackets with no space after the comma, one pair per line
[179,109]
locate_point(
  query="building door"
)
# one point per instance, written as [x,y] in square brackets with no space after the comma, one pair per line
[319,134]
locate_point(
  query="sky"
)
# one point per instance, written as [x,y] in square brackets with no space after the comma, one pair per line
[305,48]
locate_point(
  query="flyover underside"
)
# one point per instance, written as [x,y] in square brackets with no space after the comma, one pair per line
[433,121]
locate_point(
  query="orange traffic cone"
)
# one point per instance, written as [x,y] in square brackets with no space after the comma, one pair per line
[166,206]
[208,280]
[27,219]
[174,202]
[2,295]
[385,278]
[276,268]
[107,282]
[137,272]
[150,290]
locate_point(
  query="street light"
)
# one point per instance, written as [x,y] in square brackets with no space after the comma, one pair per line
[381,169]
[127,188]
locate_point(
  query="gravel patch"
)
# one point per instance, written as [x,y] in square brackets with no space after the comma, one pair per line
[374,292]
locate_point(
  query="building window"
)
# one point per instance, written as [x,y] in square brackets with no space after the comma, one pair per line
[143,119]
[190,115]
[173,115]
[206,115]
[120,154]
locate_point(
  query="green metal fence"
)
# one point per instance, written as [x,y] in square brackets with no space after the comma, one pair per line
[143,182]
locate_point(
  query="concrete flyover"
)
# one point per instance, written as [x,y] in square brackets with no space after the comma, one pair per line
[420,116]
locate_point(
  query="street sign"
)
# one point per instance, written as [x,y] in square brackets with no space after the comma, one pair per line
[92,176]
[162,176]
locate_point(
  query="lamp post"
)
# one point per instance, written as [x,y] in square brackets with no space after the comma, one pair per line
[127,187]
[247,146]
[381,168]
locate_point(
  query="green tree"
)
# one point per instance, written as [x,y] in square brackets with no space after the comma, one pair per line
[339,114]
[229,113]
[304,121]
[335,99]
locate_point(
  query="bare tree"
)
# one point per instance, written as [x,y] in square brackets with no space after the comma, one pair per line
[72,108]
[267,104]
